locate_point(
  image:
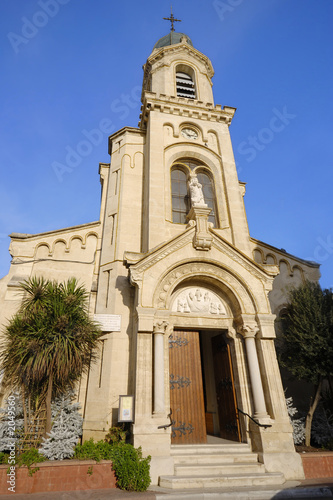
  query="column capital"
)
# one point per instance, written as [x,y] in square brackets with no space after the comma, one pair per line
[247,326]
[248,330]
[160,327]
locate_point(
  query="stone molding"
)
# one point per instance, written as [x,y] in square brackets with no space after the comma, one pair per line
[181,106]
[182,47]
[267,325]
[157,254]
[243,260]
[211,270]
[139,263]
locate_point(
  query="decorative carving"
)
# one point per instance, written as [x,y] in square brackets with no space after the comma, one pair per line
[179,381]
[135,276]
[177,342]
[203,238]
[198,300]
[248,329]
[191,223]
[213,270]
[160,326]
[197,197]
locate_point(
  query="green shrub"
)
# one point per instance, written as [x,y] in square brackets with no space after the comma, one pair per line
[116,434]
[30,457]
[131,469]
[90,450]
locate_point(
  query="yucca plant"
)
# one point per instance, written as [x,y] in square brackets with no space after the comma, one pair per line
[50,342]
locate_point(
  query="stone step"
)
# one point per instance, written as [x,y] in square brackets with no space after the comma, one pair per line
[218,469]
[221,481]
[209,449]
[224,458]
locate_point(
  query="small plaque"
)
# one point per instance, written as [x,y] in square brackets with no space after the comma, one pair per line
[108,322]
[126,409]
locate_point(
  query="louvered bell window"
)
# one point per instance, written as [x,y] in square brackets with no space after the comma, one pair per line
[185,85]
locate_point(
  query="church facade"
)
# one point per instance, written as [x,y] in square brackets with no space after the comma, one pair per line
[172,265]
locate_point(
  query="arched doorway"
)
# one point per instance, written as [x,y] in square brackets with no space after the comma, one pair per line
[202,389]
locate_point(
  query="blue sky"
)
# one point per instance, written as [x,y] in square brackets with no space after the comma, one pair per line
[71,71]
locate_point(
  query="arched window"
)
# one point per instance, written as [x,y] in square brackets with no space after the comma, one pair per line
[185,85]
[180,200]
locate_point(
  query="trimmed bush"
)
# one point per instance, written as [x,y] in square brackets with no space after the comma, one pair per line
[131,469]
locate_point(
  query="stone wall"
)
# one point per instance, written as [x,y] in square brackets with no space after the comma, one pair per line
[317,465]
[66,475]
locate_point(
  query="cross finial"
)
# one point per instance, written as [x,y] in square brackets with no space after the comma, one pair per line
[172,19]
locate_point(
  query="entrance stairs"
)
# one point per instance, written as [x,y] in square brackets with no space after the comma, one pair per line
[217,466]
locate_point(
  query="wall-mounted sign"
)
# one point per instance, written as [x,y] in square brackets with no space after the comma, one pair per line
[126,409]
[108,322]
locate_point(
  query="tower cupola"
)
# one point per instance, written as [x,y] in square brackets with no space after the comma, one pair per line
[175,69]
[172,38]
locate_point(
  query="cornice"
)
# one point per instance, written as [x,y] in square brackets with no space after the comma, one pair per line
[283,253]
[140,263]
[25,236]
[132,130]
[180,106]
[181,47]
[267,273]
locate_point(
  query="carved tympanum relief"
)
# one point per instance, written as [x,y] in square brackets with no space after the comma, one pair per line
[198,300]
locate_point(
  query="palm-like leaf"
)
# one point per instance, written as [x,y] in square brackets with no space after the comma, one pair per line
[51,341]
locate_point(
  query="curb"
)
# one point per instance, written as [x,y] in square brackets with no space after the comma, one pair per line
[284,494]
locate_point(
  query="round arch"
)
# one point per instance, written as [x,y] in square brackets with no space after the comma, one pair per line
[208,158]
[229,286]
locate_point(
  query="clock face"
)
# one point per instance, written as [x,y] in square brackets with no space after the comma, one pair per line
[189,133]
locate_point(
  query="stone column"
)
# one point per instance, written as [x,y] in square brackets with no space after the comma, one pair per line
[249,333]
[159,396]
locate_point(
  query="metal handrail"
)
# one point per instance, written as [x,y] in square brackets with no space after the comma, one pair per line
[247,415]
[167,425]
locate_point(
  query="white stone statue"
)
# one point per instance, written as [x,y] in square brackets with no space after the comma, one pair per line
[197,197]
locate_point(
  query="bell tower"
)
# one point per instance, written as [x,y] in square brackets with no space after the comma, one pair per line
[182,124]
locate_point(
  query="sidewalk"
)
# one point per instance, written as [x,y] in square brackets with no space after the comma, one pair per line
[111,494]
[310,489]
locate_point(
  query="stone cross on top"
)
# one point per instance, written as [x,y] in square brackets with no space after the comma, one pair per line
[172,19]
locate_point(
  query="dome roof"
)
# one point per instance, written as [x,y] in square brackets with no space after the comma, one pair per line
[170,39]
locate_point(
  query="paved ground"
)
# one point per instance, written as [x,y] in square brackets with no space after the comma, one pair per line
[112,494]
[310,489]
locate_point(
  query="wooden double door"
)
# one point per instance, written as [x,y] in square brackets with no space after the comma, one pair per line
[187,389]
